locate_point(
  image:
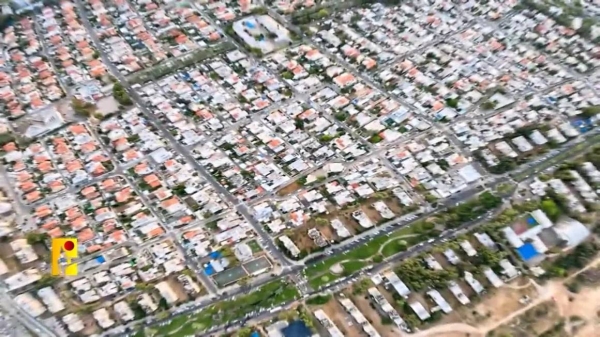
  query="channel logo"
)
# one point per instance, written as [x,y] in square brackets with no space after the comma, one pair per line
[64,253]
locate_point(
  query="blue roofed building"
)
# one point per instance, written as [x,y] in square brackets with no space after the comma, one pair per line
[533,235]
[527,252]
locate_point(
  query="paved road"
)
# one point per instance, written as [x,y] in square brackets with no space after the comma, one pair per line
[242,209]
[23,316]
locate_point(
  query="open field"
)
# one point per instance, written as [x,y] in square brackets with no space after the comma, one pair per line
[551,310]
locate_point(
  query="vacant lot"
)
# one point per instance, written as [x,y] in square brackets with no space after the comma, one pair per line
[498,304]
[289,189]
[364,305]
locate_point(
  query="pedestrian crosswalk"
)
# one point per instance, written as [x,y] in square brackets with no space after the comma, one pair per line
[300,282]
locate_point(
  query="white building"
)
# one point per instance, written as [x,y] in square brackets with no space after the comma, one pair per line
[51,299]
[167,292]
[290,245]
[358,317]
[440,301]
[328,324]
[397,284]
[458,293]
[124,311]
[473,283]
[493,278]
[103,318]
[419,310]
[73,322]
[387,308]
[29,304]
[509,270]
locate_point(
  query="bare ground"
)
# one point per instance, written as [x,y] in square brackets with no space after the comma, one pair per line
[364,305]
[289,189]
[549,304]
[336,313]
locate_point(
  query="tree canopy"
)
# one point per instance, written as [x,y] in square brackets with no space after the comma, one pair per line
[121,95]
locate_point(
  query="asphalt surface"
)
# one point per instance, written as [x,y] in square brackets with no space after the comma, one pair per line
[9,305]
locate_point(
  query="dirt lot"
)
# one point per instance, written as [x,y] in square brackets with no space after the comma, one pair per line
[90,326]
[533,322]
[452,334]
[301,239]
[498,304]
[585,305]
[364,305]
[371,213]
[178,288]
[394,205]
[342,320]
[551,308]
[8,257]
[289,189]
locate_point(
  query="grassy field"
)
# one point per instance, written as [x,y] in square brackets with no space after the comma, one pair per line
[271,294]
[319,274]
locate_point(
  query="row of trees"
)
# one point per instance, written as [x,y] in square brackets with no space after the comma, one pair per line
[470,210]
[418,277]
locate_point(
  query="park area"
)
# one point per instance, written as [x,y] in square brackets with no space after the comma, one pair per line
[370,253]
[269,295]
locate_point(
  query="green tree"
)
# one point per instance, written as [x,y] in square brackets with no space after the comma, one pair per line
[121,95]
[319,299]
[488,105]
[259,10]
[489,201]
[322,13]
[452,102]
[322,222]
[375,139]
[35,237]
[163,304]
[551,209]
[341,116]
[47,280]
[83,108]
